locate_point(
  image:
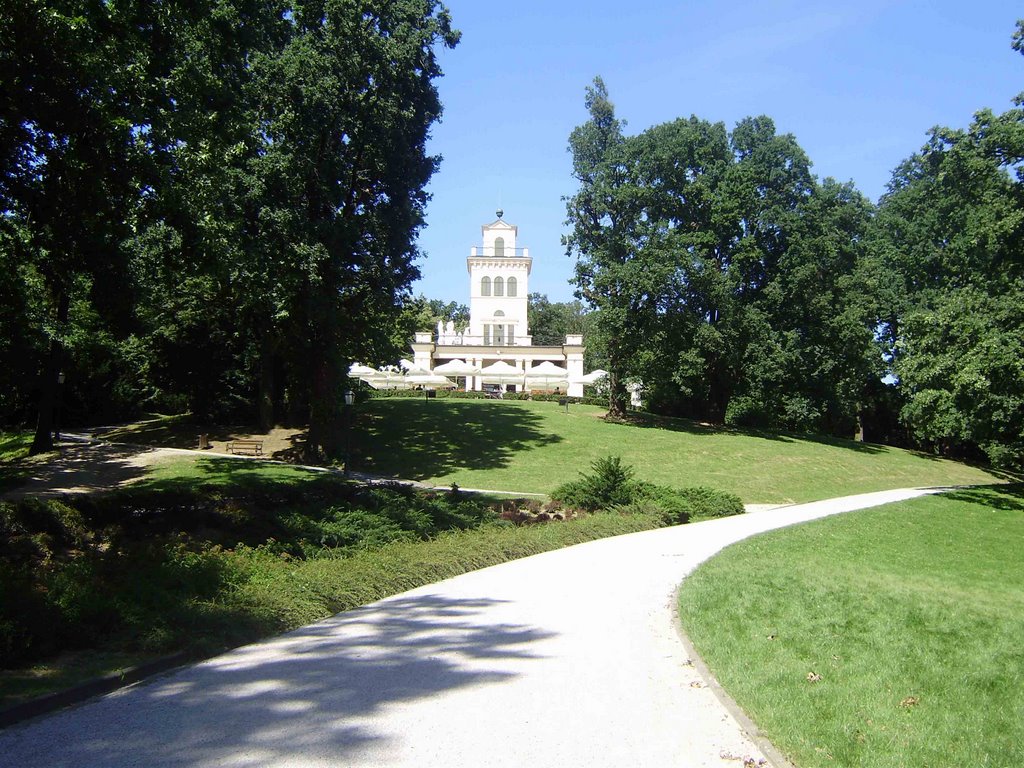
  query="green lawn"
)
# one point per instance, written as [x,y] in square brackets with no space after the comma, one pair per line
[912,615]
[14,467]
[217,471]
[535,446]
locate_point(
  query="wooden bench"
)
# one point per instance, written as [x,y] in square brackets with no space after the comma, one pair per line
[249,447]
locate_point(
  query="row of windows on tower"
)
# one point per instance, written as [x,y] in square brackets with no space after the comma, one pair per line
[501,286]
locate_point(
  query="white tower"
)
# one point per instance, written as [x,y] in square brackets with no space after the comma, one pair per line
[499,275]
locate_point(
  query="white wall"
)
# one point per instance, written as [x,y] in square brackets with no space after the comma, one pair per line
[481,263]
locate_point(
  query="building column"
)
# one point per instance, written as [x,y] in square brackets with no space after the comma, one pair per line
[423,351]
[573,351]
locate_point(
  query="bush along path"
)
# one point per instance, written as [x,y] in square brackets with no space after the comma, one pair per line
[571,658]
[200,558]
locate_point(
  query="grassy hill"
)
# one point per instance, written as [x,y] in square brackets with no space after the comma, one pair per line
[885,637]
[535,446]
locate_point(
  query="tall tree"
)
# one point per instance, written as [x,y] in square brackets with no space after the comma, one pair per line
[951,228]
[70,81]
[551,321]
[346,113]
[741,262]
[607,219]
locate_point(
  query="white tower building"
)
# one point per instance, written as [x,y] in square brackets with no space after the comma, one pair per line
[499,286]
[499,275]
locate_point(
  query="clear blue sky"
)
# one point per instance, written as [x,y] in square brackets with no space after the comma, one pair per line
[858,84]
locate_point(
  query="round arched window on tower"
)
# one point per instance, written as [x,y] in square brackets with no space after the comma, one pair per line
[499,286]
[511,287]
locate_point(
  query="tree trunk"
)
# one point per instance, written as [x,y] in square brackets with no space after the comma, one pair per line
[48,385]
[719,393]
[618,397]
[325,431]
[266,393]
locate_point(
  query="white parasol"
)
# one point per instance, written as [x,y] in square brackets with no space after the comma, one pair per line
[428,379]
[546,374]
[456,368]
[501,373]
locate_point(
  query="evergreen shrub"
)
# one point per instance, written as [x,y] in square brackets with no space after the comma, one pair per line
[610,486]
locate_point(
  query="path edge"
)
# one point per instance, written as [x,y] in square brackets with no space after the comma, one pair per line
[772,754]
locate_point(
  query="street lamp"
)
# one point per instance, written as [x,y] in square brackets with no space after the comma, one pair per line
[60,396]
[350,400]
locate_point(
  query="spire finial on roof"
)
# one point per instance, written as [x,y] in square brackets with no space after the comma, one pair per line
[500,213]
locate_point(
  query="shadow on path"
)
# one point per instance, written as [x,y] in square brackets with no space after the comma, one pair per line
[311,692]
[84,468]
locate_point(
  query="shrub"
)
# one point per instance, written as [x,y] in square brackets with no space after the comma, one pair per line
[709,502]
[610,481]
[671,504]
[573,495]
[609,484]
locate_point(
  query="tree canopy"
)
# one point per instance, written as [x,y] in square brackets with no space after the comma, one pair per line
[950,232]
[209,205]
[743,290]
[721,270]
[214,205]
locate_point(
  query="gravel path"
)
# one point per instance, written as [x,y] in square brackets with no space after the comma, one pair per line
[87,466]
[570,658]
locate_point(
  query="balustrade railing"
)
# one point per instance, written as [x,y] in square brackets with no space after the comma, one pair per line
[500,253]
[465,340]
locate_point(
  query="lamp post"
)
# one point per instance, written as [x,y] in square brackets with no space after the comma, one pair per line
[60,397]
[350,400]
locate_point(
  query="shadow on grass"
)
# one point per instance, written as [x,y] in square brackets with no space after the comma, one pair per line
[13,452]
[172,432]
[1008,498]
[183,432]
[237,476]
[419,439]
[322,693]
[12,476]
[676,424]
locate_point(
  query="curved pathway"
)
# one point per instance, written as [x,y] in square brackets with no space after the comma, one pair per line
[570,658]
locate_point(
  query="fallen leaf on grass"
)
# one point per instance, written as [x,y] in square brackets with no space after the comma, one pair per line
[909,702]
[813,677]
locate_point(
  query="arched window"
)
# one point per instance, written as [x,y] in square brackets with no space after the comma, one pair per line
[499,287]
[485,286]
[499,313]
[499,246]
[510,287]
